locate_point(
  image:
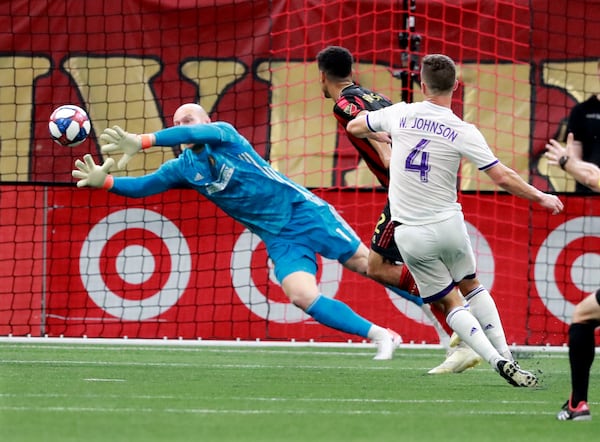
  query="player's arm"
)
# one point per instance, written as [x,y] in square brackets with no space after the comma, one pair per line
[209,133]
[116,139]
[566,158]
[359,127]
[383,148]
[90,174]
[512,182]
[585,173]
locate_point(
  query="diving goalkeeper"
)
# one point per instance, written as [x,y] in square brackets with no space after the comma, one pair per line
[295,224]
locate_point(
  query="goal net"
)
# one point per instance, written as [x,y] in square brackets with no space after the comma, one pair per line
[79,262]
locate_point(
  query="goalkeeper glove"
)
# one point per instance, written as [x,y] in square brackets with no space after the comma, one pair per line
[116,139]
[91,174]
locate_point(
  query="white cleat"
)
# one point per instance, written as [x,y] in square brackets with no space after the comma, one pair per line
[387,345]
[454,340]
[460,358]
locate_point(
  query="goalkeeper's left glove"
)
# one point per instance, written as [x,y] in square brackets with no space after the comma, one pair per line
[91,174]
[116,139]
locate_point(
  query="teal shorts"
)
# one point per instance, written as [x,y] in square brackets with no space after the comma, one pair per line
[313,229]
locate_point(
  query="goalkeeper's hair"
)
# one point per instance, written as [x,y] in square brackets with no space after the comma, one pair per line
[336,62]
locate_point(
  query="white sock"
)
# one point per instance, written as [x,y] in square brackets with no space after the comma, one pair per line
[377,333]
[484,308]
[468,328]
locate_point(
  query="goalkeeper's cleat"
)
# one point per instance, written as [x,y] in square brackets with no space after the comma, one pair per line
[387,345]
[407,282]
[579,413]
[460,358]
[515,375]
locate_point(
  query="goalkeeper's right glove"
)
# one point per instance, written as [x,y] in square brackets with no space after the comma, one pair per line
[116,139]
[91,174]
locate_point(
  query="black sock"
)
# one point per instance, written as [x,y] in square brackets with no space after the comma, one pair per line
[582,347]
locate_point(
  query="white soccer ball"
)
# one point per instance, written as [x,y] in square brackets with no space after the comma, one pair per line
[69,125]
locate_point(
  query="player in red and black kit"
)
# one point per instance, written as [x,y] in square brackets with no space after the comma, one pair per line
[353,100]
[385,262]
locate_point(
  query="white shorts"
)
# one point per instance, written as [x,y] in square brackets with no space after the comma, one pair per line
[438,255]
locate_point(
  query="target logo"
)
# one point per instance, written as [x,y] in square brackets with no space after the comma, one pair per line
[570,252]
[135,264]
[248,291]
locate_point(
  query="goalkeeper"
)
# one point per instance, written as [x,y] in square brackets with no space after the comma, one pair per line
[294,223]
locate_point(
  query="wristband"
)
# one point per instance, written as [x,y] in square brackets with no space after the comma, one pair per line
[108,182]
[146,141]
[562,161]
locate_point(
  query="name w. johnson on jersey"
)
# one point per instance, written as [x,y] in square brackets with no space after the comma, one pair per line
[430,126]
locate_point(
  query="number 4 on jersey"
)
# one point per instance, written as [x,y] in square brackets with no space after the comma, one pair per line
[418,160]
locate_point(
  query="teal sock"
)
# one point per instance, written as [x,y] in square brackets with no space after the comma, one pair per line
[404,294]
[336,314]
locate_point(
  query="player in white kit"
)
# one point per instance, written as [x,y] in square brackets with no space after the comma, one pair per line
[428,144]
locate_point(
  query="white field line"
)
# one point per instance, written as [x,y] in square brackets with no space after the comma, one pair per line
[220,366]
[288,401]
[256,411]
[239,343]
[195,365]
[150,397]
[104,380]
[399,354]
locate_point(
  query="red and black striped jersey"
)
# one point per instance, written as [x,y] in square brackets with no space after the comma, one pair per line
[352,101]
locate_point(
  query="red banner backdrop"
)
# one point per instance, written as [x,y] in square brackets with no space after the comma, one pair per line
[175,266]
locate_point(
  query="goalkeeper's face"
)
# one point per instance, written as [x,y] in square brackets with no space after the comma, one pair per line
[189,114]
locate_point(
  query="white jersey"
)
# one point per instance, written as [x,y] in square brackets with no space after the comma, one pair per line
[428,143]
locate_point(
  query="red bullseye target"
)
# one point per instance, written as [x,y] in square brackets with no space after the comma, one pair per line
[566,265]
[571,265]
[135,264]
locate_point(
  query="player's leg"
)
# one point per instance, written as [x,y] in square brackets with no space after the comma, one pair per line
[581,356]
[484,308]
[359,263]
[433,255]
[467,327]
[460,260]
[394,276]
[301,288]
[335,239]
[385,261]
[293,253]
[460,357]
[421,247]
[385,265]
[470,331]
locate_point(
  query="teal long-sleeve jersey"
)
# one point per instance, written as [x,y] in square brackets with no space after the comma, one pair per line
[224,167]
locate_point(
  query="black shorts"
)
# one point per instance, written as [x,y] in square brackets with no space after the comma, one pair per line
[382,241]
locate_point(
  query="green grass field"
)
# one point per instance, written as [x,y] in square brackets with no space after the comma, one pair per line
[70,392]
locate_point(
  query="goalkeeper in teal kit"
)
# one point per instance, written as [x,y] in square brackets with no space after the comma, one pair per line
[293,223]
